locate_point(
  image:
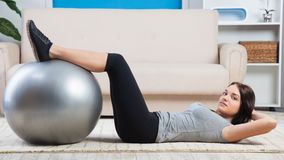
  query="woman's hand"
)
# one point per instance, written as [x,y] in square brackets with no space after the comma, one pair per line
[260,124]
[258,115]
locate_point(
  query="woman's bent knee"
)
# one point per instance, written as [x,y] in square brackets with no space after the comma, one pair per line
[116,56]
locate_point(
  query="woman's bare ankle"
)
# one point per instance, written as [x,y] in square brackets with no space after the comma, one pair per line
[54,51]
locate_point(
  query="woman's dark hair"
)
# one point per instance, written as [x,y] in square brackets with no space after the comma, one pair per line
[246,105]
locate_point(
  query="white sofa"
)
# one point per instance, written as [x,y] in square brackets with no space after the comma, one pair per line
[174,54]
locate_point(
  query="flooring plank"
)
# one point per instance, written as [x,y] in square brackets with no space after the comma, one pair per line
[143,156]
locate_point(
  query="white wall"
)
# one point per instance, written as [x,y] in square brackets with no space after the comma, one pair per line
[195,4]
[9,14]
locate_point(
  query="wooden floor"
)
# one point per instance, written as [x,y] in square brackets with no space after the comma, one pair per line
[144,156]
[180,155]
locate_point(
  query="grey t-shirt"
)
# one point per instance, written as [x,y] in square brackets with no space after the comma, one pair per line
[197,123]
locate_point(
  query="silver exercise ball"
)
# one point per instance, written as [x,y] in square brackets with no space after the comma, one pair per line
[53,102]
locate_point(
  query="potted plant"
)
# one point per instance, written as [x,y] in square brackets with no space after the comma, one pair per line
[6,27]
[267,16]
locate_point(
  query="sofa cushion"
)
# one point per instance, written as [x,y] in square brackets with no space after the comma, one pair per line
[179,79]
[181,36]
[169,79]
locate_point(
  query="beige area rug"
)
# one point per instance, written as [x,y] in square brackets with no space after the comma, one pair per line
[104,139]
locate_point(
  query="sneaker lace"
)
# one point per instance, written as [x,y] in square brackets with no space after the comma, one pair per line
[41,36]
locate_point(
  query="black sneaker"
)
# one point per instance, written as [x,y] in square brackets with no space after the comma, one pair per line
[39,42]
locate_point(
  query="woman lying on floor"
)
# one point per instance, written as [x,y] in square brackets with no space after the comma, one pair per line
[234,119]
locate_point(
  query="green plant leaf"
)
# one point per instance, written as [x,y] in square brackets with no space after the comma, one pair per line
[7,28]
[12,5]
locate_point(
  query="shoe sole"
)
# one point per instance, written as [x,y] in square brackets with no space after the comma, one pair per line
[30,40]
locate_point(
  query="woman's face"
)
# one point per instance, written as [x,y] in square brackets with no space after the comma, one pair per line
[229,102]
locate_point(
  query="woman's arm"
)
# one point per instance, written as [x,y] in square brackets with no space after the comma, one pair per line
[261,124]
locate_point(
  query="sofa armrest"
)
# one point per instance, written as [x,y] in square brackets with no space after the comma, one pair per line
[9,56]
[234,58]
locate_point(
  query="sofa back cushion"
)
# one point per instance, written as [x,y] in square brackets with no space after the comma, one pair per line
[178,36]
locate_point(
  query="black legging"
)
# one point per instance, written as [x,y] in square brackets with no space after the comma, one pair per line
[133,121]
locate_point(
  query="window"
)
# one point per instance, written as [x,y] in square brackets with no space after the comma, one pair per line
[119,4]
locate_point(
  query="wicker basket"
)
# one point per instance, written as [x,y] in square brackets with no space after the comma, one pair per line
[261,51]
